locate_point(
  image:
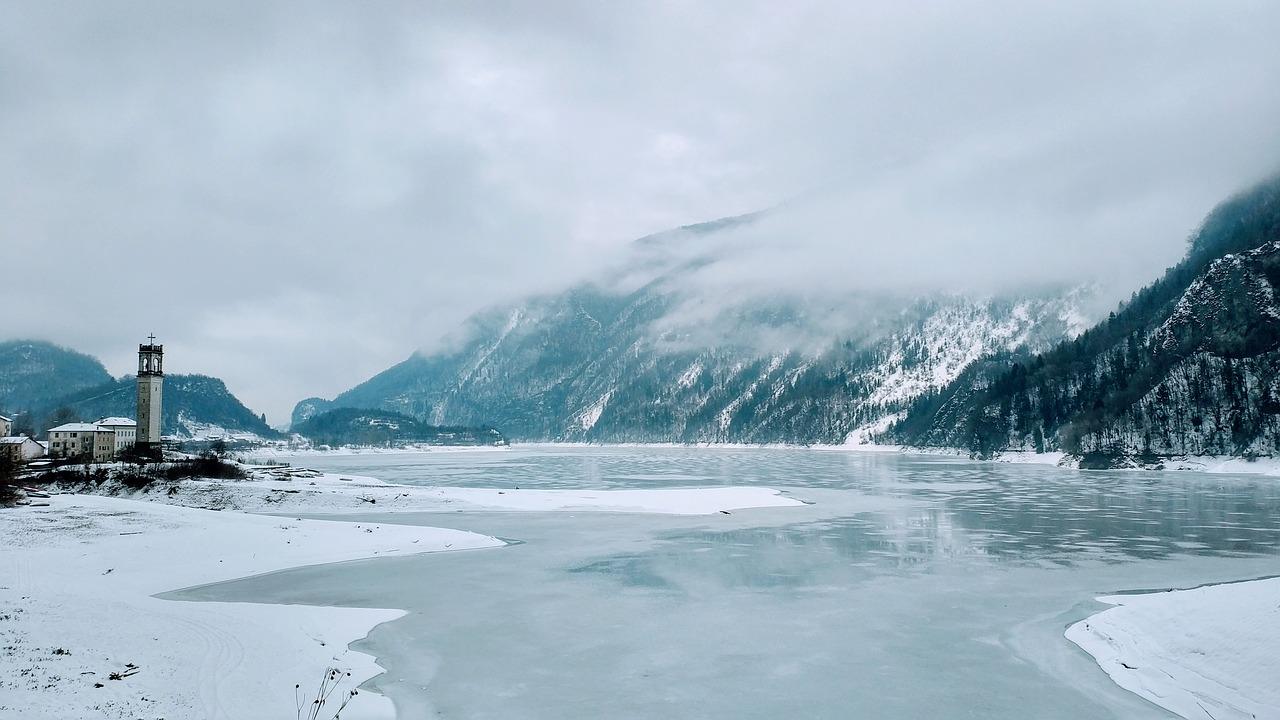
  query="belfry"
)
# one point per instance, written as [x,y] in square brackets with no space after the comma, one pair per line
[150,395]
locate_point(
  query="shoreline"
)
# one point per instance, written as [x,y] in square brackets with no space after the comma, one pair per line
[1211,464]
[107,559]
[88,562]
[1202,653]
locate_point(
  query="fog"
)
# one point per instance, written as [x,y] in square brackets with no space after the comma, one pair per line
[295,196]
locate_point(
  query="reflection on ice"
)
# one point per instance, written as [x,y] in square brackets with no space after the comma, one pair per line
[913,587]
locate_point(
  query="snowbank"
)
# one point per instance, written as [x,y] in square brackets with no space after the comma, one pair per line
[1032,458]
[1208,653]
[290,490]
[277,450]
[1213,464]
[1230,465]
[76,581]
[78,577]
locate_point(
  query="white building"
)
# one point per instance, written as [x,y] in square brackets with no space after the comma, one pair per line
[6,426]
[20,448]
[82,440]
[126,430]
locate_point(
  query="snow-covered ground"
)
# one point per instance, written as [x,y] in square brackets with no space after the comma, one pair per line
[76,584]
[293,490]
[1211,653]
[1212,464]
[1235,465]
[275,450]
[78,579]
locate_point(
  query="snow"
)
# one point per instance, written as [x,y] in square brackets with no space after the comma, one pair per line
[86,564]
[591,415]
[76,427]
[287,490]
[690,376]
[1227,465]
[202,431]
[1032,458]
[862,436]
[1213,464]
[284,449]
[1207,653]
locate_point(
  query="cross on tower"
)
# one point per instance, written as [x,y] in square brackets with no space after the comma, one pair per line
[152,338]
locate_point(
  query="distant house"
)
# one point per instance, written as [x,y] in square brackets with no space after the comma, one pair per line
[6,426]
[82,440]
[20,448]
[126,430]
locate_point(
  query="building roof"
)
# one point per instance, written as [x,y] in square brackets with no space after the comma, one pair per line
[14,440]
[116,422]
[2,417]
[79,427]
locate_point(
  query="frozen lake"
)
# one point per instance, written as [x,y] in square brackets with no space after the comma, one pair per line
[912,587]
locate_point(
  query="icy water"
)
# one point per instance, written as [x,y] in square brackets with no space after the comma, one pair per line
[912,587]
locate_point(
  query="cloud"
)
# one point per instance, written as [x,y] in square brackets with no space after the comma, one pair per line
[294,196]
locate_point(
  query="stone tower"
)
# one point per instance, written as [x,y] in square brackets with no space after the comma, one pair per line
[150,395]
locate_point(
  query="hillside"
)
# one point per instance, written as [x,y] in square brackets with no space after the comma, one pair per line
[377,428]
[1189,366]
[33,373]
[194,406]
[604,365]
[43,384]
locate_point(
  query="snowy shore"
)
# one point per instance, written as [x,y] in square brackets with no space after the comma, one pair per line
[302,491]
[1205,654]
[76,605]
[276,450]
[79,578]
[1212,464]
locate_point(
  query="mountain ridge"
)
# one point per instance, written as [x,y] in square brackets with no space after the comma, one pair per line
[601,365]
[1188,366]
[43,383]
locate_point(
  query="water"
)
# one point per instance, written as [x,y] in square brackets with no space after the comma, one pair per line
[912,587]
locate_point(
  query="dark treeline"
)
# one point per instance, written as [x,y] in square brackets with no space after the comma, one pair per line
[1186,366]
[380,428]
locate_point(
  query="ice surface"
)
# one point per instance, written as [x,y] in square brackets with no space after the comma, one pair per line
[913,587]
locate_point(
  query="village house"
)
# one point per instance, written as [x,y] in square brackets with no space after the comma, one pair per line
[6,426]
[83,440]
[126,430]
[20,448]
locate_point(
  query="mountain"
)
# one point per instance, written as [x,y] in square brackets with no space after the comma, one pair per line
[34,373]
[351,426]
[44,384]
[1189,366]
[195,406]
[604,362]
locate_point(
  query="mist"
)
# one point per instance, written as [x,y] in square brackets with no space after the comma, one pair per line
[294,197]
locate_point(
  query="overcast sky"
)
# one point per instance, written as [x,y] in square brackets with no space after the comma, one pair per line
[294,196]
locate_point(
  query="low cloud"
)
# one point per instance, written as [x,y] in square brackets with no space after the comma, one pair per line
[296,196]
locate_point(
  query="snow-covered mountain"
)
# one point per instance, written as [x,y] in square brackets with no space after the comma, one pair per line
[42,385]
[34,373]
[1189,366]
[599,363]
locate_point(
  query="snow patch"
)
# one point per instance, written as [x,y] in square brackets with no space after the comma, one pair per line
[80,575]
[1208,653]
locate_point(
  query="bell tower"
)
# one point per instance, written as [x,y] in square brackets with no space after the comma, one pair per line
[150,395]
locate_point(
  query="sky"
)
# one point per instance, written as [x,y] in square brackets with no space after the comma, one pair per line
[293,196]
